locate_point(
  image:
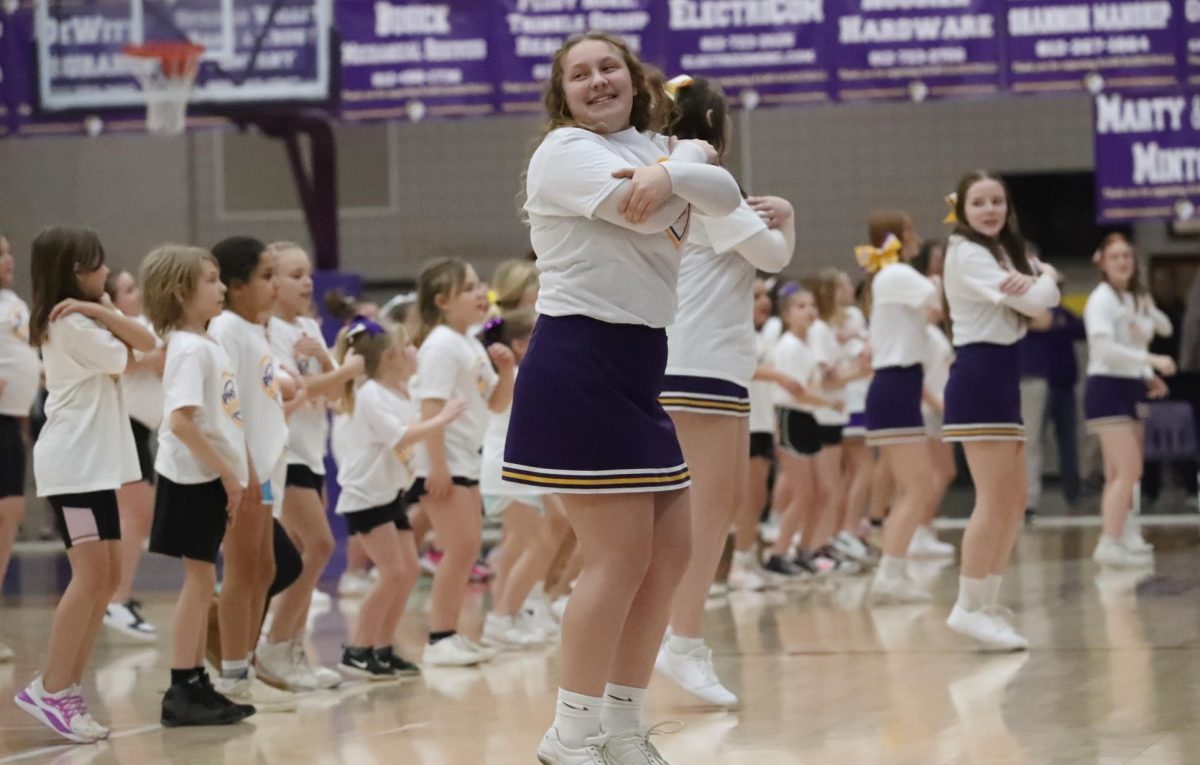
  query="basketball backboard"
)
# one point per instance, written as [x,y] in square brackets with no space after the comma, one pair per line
[256,51]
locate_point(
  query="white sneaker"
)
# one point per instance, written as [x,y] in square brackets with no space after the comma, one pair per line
[537,611]
[553,751]
[1131,538]
[508,633]
[273,664]
[693,671]
[6,654]
[354,584]
[745,579]
[718,590]
[768,530]
[1004,615]
[86,721]
[894,589]
[635,747]
[255,692]
[454,651]
[925,544]
[324,677]
[1110,552]
[987,628]
[126,618]
[852,547]
[61,712]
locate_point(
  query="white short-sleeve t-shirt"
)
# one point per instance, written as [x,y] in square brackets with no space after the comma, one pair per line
[829,353]
[262,404]
[143,389]
[900,296]
[713,333]
[198,373]
[795,358]
[86,444]
[855,334]
[762,409]
[490,480]
[20,367]
[590,267]
[452,365]
[308,427]
[370,473]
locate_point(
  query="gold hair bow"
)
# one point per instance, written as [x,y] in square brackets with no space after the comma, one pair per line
[952,201]
[872,259]
[492,296]
[676,84]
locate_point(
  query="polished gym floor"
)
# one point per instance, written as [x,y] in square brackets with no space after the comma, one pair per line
[1112,678]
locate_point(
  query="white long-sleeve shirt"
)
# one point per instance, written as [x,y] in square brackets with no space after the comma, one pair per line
[1120,327]
[980,312]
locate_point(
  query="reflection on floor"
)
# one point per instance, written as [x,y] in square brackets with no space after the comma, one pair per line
[1113,677]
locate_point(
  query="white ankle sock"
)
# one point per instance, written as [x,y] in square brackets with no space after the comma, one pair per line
[680,644]
[235,670]
[892,567]
[622,708]
[972,593]
[743,559]
[577,717]
[993,588]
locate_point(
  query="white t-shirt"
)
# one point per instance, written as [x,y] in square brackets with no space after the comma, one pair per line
[979,311]
[1119,331]
[900,296]
[20,367]
[939,356]
[450,365]
[143,389]
[713,333]
[370,473]
[795,358]
[198,373]
[308,427]
[829,354]
[490,480]
[762,409]
[262,404]
[856,334]
[591,267]
[86,443]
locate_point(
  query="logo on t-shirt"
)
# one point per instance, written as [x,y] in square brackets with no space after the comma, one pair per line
[269,383]
[677,232]
[229,397]
[407,458]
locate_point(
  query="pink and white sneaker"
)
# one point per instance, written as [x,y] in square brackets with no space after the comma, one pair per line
[89,723]
[64,712]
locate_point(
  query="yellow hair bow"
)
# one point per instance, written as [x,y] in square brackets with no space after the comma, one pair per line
[872,259]
[952,201]
[676,84]
[492,297]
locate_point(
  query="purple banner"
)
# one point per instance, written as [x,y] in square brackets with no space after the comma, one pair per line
[1055,46]
[918,49]
[409,60]
[772,53]
[530,31]
[1191,43]
[1147,156]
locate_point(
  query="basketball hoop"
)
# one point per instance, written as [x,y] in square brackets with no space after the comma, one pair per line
[166,71]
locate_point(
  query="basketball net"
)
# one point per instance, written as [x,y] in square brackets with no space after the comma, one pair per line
[166,71]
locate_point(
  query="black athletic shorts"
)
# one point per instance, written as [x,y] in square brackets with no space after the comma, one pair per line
[303,477]
[830,435]
[762,445]
[141,439]
[799,433]
[88,517]
[363,521]
[189,519]
[12,458]
[418,490]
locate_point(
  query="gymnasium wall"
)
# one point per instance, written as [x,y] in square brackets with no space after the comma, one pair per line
[415,191]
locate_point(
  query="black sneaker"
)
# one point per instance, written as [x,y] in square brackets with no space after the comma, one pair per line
[363,663]
[781,566]
[805,563]
[399,665]
[219,699]
[189,703]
